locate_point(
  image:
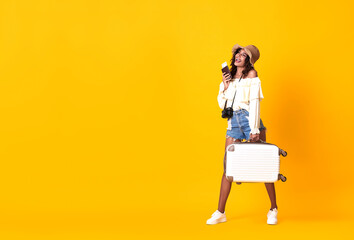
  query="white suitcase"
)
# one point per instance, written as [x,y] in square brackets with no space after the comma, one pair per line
[253,162]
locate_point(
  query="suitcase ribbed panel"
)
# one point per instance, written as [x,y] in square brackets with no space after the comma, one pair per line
[253,162]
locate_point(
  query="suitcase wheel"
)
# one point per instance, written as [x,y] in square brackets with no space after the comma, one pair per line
[282,152]
[282,177]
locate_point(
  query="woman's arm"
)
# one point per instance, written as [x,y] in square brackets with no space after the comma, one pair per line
[254,116]
[224,85]
[221,96]
[255,97]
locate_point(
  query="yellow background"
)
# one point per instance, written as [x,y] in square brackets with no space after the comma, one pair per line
[110,126]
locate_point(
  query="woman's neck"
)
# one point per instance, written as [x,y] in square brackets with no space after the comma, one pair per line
[239,71]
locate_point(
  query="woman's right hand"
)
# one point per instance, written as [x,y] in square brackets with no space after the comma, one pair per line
[226,78]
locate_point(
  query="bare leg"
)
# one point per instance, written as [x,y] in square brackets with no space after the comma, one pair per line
[269,186]
[225,184]
[271,192]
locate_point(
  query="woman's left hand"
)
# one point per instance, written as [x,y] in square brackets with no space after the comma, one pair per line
[254,137]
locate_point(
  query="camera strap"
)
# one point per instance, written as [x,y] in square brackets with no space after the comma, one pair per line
[234,95]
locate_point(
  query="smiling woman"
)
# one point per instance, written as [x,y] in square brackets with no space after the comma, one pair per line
[240,58]
[249,93]
[245,122]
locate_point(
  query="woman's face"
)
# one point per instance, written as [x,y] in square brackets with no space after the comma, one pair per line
[240,58]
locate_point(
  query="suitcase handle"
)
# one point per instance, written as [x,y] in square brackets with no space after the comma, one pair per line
[259,141]
[281,151]
[248,141]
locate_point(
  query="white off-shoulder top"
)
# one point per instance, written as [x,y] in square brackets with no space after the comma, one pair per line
[248,96]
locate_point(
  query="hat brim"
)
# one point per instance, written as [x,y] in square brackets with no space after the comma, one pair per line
[236,46]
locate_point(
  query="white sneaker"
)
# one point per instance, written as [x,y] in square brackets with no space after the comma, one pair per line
[216,217]
[272,216]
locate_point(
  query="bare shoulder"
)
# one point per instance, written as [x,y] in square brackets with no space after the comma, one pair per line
[252,74]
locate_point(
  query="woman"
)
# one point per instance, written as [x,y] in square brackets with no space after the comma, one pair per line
[245,122]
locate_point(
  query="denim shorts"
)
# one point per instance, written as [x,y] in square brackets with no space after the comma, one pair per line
[240,128]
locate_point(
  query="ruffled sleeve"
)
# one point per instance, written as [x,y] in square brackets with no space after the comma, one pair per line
[256,89]
[256,96]
[221,96]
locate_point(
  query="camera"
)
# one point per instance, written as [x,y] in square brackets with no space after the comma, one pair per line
[227,112]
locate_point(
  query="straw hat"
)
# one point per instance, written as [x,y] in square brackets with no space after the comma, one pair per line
[251,50]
